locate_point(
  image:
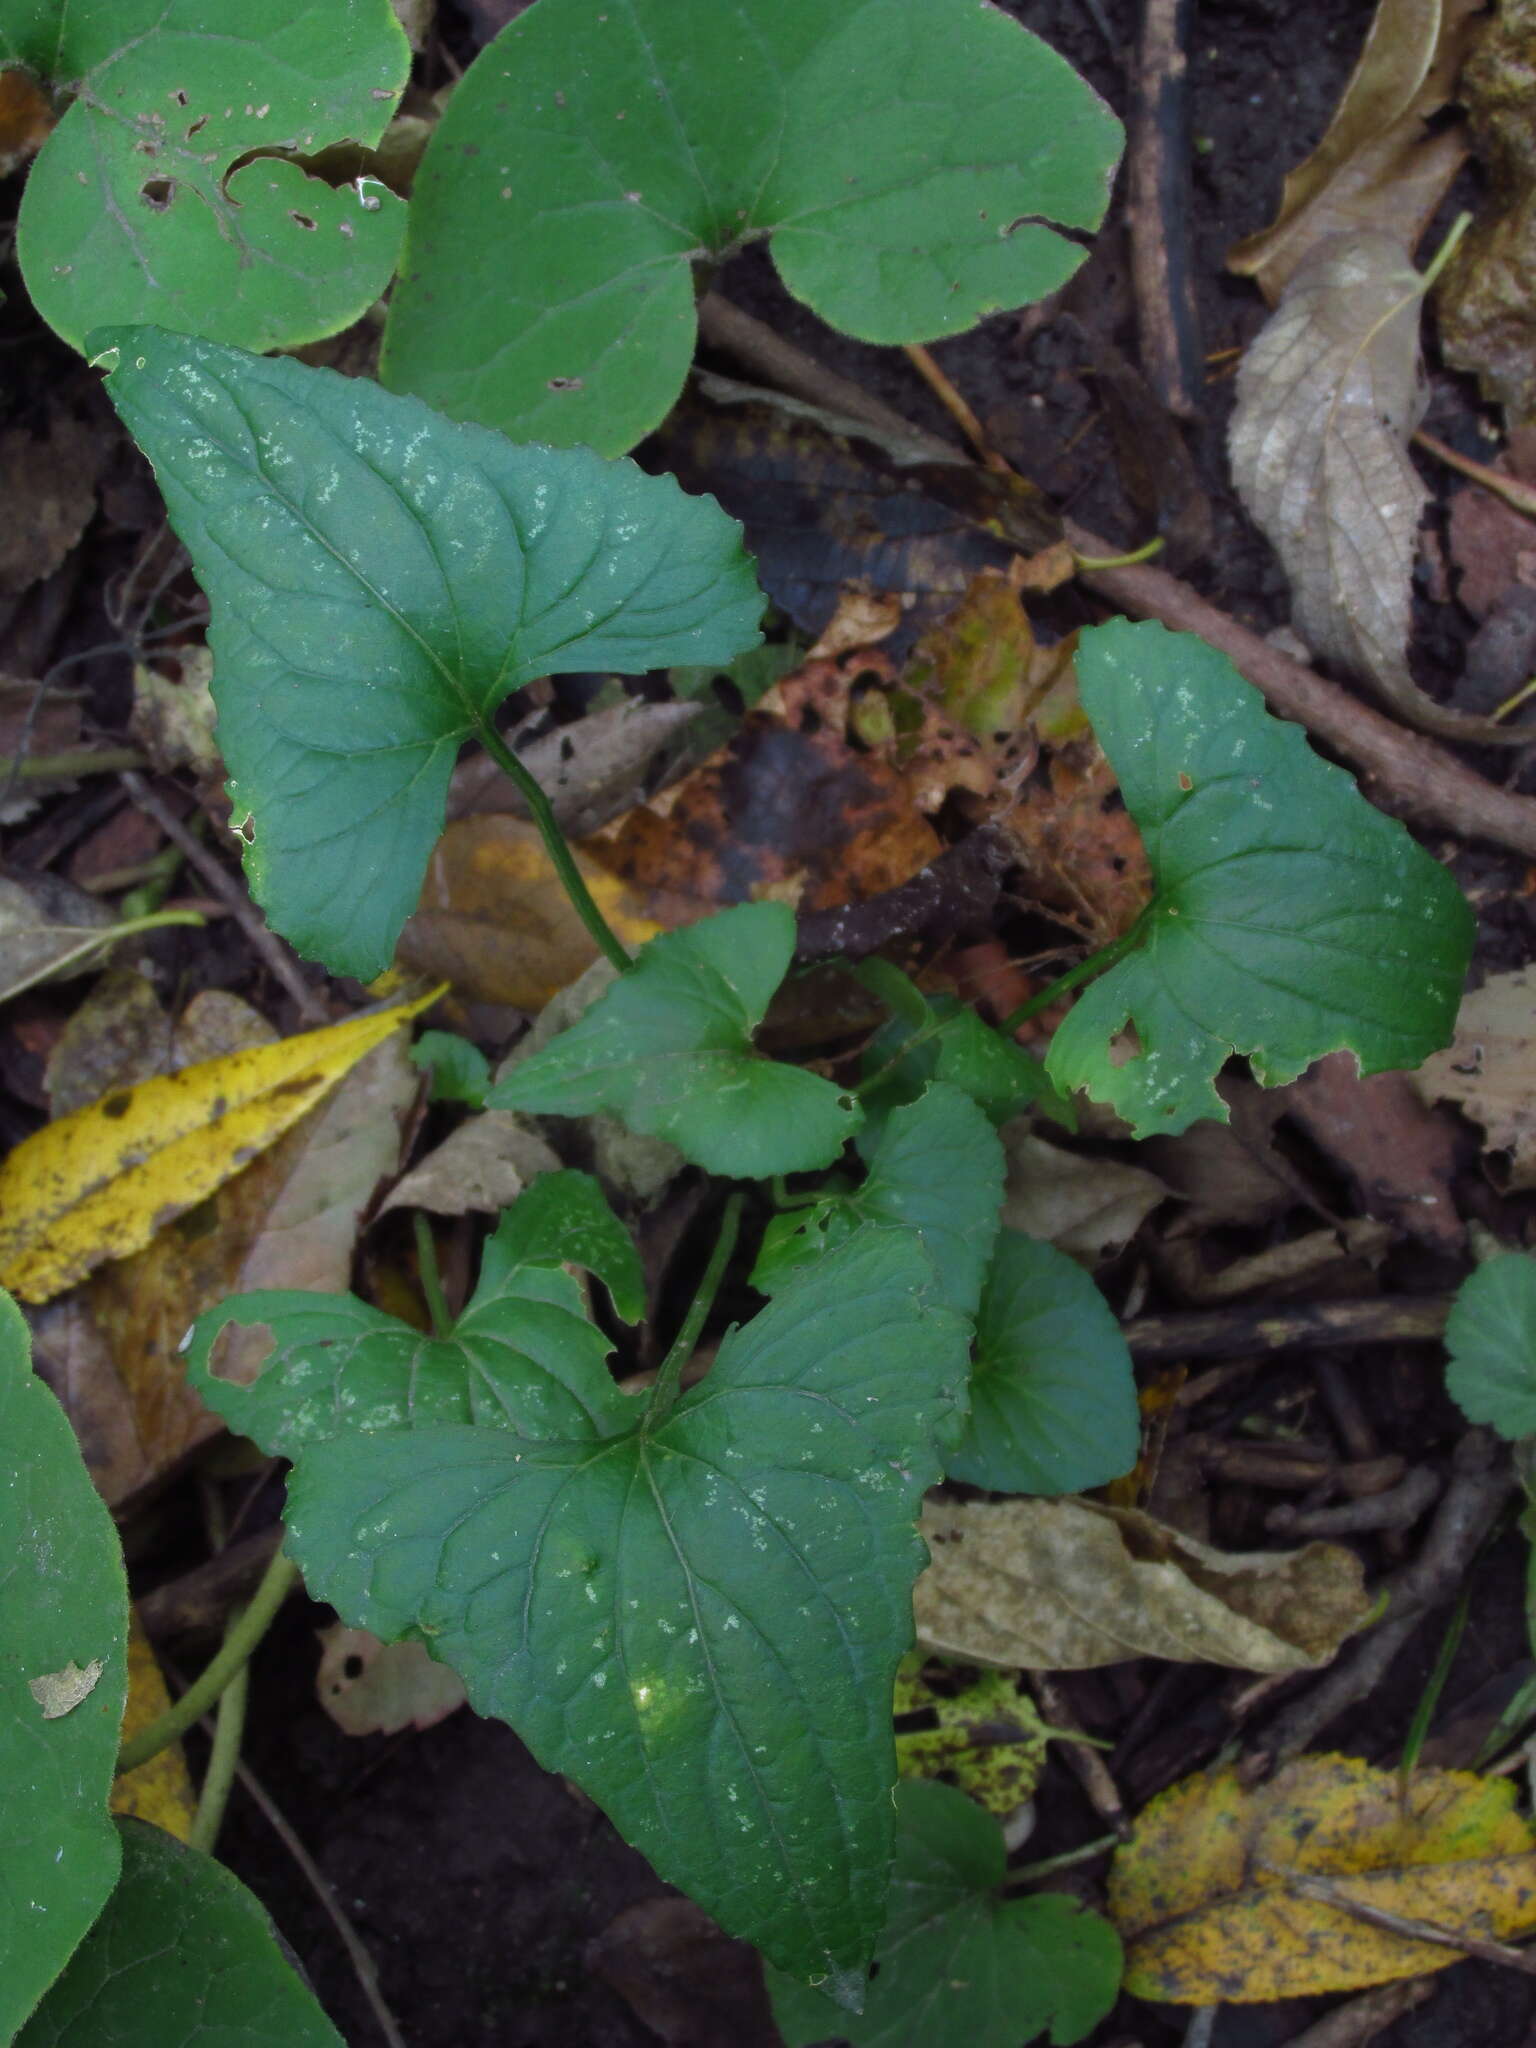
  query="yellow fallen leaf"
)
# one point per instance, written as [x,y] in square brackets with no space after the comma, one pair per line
[1216,1892]
[987,1735]
[99,1184]
[161,1789]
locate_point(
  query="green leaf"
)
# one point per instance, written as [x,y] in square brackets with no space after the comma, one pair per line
[1053,1397]
[904,155]
[699,1621]
[938,1169]
[956,1962]
[1292,919]
[1491,1339]
[135,209]
[952,1044]
[668,1049]
[380,581]
[183,1954]
[460,1071]
[63,1681]
[522,1357]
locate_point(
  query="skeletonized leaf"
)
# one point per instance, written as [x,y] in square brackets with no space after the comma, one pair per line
[99,1184]
[1065,1585]
[1327,398]
[1211,1891]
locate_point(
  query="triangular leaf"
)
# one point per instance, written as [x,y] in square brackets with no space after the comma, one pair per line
[904,154]
[63,1681]
[1491,1338]
[161,196]
[938,1170]
[182,1953]
[522,1357]
[380,581]
[668,1049]
[1292,919]
[564,1219]
[1053,1398]
[956,1962]
[698,1621]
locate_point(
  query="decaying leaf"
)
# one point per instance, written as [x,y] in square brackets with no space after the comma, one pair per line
[160,1789]
[1065,1585]
[1486,300]
[373,1688]
[1228,1893]
[986,1735]
[1489,1069]
[1088,1207]
[48,487]
[481,1167]
[495,921]
[34,720]
[100,1183]
[174,720]
[48,928]
[1378,166]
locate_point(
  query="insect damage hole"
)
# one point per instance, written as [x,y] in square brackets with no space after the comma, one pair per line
[157,193]
[303,220]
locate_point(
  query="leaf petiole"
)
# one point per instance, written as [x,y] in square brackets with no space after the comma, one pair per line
[1085,970]
[664,1390]
[430,1277]
[555,843]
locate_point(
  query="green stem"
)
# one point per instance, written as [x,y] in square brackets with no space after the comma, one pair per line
[664,1392]
[1429,1699]
[1028,1872]
[431,1278]
[223,1761]
[280,1576]
[1445,252]
[1085,970]
[555,844]
[72,762]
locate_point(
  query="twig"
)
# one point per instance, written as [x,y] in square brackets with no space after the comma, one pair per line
[272,950]
[954,403]
[1480,1480]
[1408,772]
[1398,1508]
[1157,1340]
[1091,1769]
[1520,497]
[1158,158]
[1361,2019]
[1327,1893]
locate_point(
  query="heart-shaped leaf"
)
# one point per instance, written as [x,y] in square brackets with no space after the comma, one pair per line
[668,1049]
[956,1961]
[1491,1339]
[1053,1398]
[160,195]
[904,155]
[700,1620]
[1292,919]
[938,1170]
[63,1681]
[182,1953]
[380,581]
[523,1356]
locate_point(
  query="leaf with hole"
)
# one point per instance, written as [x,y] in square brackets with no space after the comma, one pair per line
[668,1049]
[906,156]
[1491,1340]
[958,1961]
[698,1619]
[1291,919]
[170,190]
[938,1170]
[524,1356]
[63,1681]
[182,1953]
[381,580]
[1053,1397]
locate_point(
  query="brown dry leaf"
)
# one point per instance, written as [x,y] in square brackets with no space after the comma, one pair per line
[159,1790]
[1087,1207]
[495,921]
[1227,1893]
[1377,166]
[34,721]
[592,770]
[482,1166]
[981,660]
[1400,1153]
[373,1688]
[1230,1173]
[1493,547]
[48,929]
[1489,1069]
[48,489]
[289,1220]
[72,1354]
[1078,844]
[1066,1585]
[1486,300]
[822,797]
[26,119]
[863,618]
